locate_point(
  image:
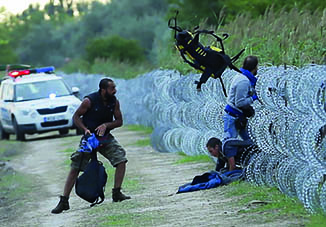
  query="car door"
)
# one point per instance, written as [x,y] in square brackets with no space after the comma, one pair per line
[6,103]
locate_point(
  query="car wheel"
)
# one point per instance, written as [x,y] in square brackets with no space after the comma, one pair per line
[63,131]
[20,135]
[3,134]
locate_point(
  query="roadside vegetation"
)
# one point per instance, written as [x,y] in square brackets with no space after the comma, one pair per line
[270,202]
[10,149]
[146,131]
[143,142]
[140,128]
[195,158]
[127,38]
[15,188]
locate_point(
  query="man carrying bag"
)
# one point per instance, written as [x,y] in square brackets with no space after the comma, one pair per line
[98,113]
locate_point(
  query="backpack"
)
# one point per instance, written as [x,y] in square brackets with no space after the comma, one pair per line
[91,184]
[210,60]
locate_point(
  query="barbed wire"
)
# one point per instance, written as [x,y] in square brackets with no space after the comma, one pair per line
[289,126]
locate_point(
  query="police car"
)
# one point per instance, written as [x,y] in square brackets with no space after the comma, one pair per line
[34,101]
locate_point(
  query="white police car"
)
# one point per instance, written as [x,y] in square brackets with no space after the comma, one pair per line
[33,101]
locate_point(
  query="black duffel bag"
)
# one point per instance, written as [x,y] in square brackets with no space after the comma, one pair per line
[90,185]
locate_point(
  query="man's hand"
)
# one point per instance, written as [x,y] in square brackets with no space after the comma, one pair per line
[100,130]
[87,132]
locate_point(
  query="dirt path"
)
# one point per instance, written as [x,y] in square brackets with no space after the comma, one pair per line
[153,178]
[44,161]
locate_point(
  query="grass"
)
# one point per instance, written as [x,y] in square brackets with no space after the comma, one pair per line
[270,199]
[128,183]
[274,199]
[276,38]
[196,158]
[15,185]
[130,219]
[125,213]
[67,162]
[10,149]
[142,143]
[316,220]
[15,188]
[68,150]
[140,128]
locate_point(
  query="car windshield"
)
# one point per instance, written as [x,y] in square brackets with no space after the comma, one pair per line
[40,90]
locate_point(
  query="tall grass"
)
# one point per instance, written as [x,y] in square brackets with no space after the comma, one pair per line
[294,37]
[109,67]
[290,37]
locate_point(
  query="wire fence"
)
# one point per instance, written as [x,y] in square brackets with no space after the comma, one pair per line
[288,127]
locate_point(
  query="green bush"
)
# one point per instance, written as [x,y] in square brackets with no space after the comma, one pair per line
[115,47]
[76,65]
[109,67]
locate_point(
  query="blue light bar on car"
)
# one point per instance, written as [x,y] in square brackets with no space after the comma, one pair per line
[45,69]
[17,73]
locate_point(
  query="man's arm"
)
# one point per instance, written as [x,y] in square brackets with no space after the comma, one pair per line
[231,163]
[242,97]
[82,109]
[118,122]
[111,125]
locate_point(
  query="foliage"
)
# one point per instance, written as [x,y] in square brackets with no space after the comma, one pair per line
[60,32]
[204,9]
[115,47]
[110,67]
[316,220]
[7,54]
[43,48]
[224,11]
[278,32]
[272,37]
[277,40]
[76,65]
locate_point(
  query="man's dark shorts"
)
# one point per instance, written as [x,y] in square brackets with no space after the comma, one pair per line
[112,151]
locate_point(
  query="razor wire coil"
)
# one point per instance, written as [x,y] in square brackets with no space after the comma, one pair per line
[288,128]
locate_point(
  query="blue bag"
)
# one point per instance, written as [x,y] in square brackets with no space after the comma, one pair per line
[211,179]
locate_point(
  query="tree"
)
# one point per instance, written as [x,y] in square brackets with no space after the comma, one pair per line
[116,48]
[192,12]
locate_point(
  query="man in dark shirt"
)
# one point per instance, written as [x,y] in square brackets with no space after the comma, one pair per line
[98,113]
[227,152]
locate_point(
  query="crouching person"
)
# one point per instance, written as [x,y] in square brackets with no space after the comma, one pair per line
[98,113]
[227,153]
